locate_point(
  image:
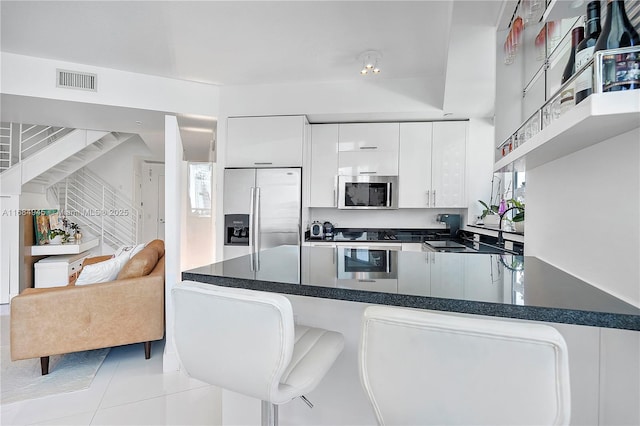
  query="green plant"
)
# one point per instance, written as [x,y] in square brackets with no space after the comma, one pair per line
[493,209]
[55,232]
[518,217]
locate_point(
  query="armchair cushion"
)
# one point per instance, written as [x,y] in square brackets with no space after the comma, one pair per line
[101,272]
[139,265]
[158,245]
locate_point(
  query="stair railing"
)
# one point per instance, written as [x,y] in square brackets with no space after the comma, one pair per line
[96,206]
[34,137]
[6,147]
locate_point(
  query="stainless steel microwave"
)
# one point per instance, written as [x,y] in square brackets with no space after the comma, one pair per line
[367,192]
[367,263]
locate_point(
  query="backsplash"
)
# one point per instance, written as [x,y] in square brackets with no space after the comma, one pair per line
[400,218]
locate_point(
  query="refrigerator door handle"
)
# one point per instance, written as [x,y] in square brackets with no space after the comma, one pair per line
[257,225]
[252,237]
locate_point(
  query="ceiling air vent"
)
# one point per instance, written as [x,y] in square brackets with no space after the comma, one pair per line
[77,80]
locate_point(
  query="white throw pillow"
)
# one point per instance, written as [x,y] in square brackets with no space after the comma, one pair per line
[129,251]
[102,272]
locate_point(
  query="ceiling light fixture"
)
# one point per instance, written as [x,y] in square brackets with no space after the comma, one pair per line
[370,62]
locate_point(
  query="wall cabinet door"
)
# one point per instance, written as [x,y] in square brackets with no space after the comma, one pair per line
[448,164]
[324,165]
[369,137]
[378,163]
[265,141]
[414,184]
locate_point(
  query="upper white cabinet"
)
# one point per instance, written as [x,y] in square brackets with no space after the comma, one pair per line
[275,141]
[324,165]
[432,164]
[369,137]
[368,149]
[414,186]
[448,163]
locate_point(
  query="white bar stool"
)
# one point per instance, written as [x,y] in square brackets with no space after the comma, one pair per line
[422,368]
[245,341]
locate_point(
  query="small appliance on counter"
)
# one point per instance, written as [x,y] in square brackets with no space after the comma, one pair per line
[328,230]
[317,230]
[452,221]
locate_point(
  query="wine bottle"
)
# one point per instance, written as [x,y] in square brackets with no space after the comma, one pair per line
[619,71]
[584,51]
[567,99]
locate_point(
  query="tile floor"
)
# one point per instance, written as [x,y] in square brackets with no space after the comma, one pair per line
[127,390]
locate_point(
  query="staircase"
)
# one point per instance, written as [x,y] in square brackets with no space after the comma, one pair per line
[35,157]
[95,205]
[52,160]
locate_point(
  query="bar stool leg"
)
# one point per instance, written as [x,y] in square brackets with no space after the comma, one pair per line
[269,414]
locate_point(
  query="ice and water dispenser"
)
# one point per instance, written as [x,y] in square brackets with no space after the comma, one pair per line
[236,229]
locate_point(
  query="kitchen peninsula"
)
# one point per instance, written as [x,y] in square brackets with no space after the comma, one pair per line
[330,288]
[508,286]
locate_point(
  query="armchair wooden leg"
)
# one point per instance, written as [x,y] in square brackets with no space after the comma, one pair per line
[147,350]
[44,365]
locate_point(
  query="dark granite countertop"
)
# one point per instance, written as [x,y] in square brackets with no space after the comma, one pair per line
[422,236]
[506,286]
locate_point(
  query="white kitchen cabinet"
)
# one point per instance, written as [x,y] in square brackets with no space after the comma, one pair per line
[365,137]
[275,141]
[322,266]
[368,149]
[449,163]
[414,186]
[447,275]
[378,163]
[432,164]
[324,165]
[412,247]
[485,287]
[414,273]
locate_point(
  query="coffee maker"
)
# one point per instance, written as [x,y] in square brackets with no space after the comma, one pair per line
[452,221]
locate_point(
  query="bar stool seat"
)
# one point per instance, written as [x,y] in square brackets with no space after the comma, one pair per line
[246,341]
[422,368]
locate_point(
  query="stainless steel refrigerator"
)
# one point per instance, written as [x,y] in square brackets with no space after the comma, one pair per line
[262,209]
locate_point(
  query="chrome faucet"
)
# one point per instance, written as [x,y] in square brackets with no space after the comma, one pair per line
[500,239]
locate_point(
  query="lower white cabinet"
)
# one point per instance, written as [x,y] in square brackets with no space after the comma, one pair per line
[58,271]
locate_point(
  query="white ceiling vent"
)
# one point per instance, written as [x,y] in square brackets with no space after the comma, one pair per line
[77,80]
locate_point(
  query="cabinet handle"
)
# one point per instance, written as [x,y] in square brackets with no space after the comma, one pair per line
[434,198]
[262,164]
[368,173]
[366,281]
[428,198]
[368,147]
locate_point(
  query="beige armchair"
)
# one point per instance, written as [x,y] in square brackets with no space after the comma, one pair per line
[58,320]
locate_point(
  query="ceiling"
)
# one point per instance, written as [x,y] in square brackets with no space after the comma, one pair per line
[245,42]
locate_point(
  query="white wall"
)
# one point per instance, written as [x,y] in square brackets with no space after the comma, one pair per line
[31,76]
[119,165]
[174,229]
[401,218]
[583,215]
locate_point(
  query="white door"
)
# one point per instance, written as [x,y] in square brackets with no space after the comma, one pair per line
[152,201]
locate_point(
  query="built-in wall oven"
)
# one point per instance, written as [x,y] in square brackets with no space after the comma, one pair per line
[367,192]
